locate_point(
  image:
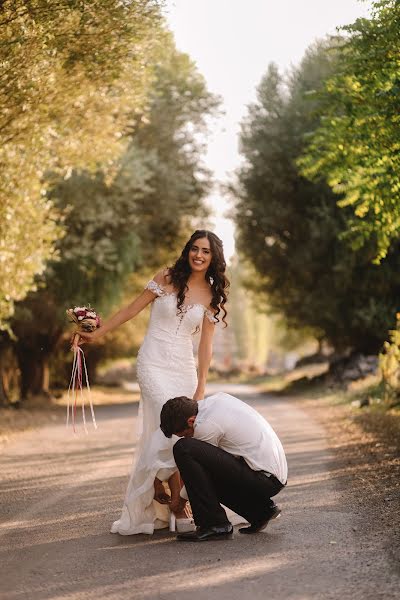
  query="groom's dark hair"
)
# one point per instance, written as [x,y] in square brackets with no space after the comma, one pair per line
[175,413]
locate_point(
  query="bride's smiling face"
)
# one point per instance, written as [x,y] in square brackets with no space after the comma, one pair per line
[200,255]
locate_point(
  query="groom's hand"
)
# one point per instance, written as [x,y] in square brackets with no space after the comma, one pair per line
[178,505]
[159,492]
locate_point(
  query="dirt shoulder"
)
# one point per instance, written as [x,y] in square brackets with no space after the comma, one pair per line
[15,421]
[39,412]
[366,446]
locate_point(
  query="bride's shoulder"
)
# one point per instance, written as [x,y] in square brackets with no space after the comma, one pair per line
[159,284]
[163,277]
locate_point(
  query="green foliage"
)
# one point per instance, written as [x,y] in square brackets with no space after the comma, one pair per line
[73,75]
[355,147]
[172,134]
[291,229]
[28,231]
[142,214]
[261,338]
[101,243]
[134,218]
[389,363]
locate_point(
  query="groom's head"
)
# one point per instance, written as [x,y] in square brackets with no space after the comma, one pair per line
[178,416]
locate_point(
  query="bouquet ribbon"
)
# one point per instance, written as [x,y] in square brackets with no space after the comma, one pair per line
[75,389]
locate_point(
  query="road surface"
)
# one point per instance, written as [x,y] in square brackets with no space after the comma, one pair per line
[60,493]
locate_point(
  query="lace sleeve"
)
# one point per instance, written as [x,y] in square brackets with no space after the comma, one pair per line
[156,288]
[210,316]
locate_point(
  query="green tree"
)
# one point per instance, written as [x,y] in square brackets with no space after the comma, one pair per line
[114,227]
[355,146]
[291,229]
[389,363]
[72,76]
[173,135]
[99,248]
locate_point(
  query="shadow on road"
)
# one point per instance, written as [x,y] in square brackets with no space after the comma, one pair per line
[59,501]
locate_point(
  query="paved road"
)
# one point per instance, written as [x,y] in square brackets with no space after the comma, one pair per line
[61,492]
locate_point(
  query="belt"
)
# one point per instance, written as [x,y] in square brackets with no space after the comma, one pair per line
[271,475]
[266,473]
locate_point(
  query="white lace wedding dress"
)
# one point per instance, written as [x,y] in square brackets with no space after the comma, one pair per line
[165,368]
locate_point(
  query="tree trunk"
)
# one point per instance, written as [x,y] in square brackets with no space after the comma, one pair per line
[34,372]
[9,375]
[4,401]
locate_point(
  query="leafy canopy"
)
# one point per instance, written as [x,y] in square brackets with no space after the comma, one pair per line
[135,220]
[291,229]
[73,75]
[356,146]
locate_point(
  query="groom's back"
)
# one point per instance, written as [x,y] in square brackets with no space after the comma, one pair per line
[242,431]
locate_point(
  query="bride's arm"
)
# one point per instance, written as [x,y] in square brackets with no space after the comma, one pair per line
[124,314]
[204,357]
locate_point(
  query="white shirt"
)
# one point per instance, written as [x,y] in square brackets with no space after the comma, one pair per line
[230,424]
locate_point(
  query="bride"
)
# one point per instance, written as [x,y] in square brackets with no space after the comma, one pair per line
[186,298]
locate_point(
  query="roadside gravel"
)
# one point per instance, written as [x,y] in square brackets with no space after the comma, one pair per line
[366,445]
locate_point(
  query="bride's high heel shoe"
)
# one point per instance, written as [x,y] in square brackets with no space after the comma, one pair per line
[184,525]
[172,522]
[181,525]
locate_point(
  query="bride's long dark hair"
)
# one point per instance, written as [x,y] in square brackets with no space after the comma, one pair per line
[215,276]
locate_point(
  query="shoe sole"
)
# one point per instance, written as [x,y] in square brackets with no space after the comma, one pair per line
[186,526]
[208,539]
[275,516]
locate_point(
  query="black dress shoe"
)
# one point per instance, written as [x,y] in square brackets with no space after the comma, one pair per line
[219,532]
[272,513]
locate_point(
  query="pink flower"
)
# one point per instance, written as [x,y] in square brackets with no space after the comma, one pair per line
[78,309]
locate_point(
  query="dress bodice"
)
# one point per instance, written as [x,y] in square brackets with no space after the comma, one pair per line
[168,340]
[167,320]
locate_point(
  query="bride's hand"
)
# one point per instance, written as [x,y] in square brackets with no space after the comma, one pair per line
[198,395]
[86,337]
[83,337]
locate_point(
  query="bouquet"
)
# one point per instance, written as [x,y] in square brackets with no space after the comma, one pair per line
[87,320]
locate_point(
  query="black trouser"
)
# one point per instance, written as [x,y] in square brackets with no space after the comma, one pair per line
[213,477]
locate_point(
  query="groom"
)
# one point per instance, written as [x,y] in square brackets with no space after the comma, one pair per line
[228,454]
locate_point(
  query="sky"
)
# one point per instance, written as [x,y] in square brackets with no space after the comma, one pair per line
[232,43]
